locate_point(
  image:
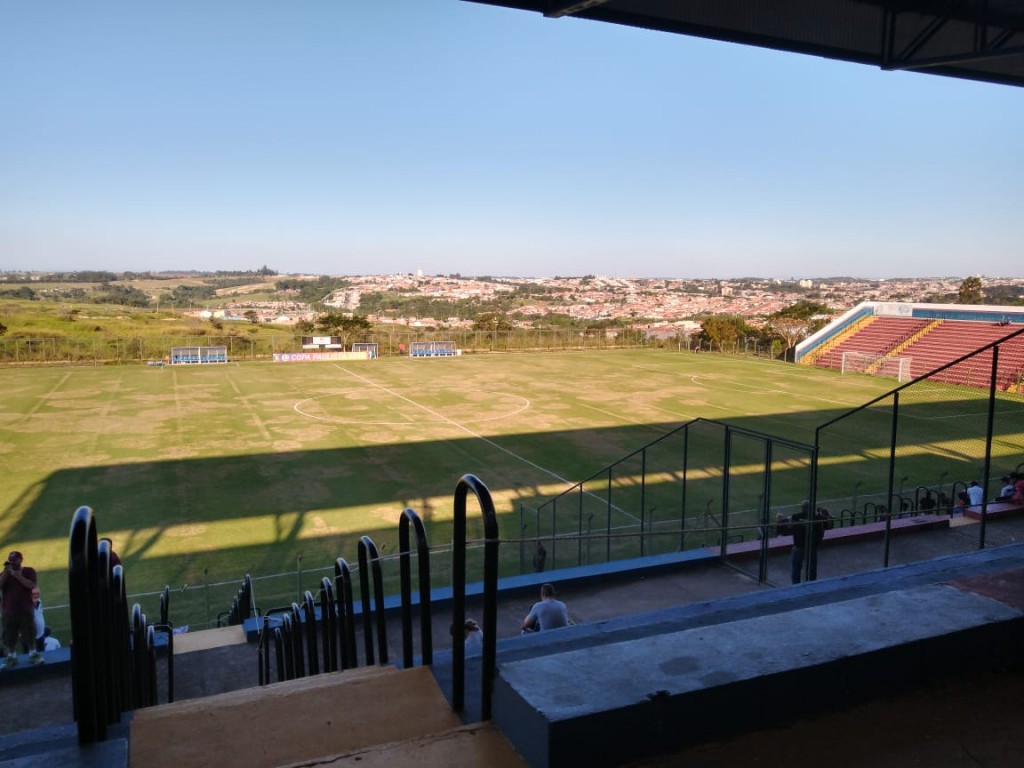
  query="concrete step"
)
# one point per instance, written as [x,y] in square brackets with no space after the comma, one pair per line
[470,746]
[293,721]
[57,747]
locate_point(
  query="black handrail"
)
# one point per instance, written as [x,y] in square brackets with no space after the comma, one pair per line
[104,660]
[280,654]
[409,517]
[329,619]
[346,614]
[299,665]
[89,689]
[467,484]
[368,551]
[288,648]
[143,675]
[309,628]
[122,639]
[150,636]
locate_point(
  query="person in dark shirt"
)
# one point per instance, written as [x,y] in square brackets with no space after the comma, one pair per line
[19,619]
[798,526]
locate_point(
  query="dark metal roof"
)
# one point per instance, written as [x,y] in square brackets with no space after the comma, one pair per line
[973,39]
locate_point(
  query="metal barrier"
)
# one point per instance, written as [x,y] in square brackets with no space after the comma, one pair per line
[410,518]
[368,554]
[241,607]
[346,614]
[470,484]
[114,656]
[89,684]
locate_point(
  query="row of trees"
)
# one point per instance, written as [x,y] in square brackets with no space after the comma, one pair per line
[787,327]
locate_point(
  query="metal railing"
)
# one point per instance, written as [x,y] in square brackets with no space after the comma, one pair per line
[113,659]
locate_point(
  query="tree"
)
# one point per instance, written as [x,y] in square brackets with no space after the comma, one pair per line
[796,322]
[3,329]
[970,291]
[336,324]
[724,331]
[491,321]
[251,316]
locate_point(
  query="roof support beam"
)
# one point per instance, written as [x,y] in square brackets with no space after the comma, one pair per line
[958,58]
[569,7]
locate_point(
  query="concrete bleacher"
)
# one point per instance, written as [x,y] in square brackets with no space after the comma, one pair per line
[650,685]
[878,337]
[951,339]
[839,535]
[996,509]
[528,583]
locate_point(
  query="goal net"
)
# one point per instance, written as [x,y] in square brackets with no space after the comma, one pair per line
[877,365]
[369,347]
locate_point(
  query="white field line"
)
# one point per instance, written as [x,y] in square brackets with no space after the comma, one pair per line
[256,420]
[477,435]
[623,418]
[740,386]
[409,422]
[441,417]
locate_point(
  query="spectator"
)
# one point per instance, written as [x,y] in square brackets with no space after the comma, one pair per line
[50,643]
[1018,486]
[473,636]
[797,527]
[975,493]
[37,613]
[927,503]
[1007,489]
[540,556]
[549,613]
[19,623]
[963,501]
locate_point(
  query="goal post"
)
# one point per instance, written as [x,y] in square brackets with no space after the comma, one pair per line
[369,347]
[877,365]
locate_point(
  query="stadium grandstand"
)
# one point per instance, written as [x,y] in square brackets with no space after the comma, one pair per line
[624,688]
[925,337]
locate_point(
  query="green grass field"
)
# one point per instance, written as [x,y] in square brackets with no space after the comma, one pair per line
[202,474]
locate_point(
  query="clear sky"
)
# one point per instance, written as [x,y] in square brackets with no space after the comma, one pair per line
[364,136]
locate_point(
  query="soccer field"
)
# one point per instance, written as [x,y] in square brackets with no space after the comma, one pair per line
[201,474]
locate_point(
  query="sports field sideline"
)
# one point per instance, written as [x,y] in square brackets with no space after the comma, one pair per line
[201,474]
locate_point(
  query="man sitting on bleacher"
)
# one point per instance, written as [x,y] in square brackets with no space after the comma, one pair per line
[549,613]
[1006,492]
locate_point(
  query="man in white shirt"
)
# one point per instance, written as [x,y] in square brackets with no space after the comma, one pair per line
[975,493]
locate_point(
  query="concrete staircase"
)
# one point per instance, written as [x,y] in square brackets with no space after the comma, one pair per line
[373,716]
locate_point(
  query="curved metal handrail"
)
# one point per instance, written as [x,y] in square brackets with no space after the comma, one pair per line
[104,660]
[471,484]
[329,618]
[409,517]
[298,657]
[346,622]
[88,688]
[368,552]
[309,628]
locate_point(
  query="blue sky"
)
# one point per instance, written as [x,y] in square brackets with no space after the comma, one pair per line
[345,137]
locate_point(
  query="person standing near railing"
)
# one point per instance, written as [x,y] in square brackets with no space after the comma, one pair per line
[797,526]
[19,623]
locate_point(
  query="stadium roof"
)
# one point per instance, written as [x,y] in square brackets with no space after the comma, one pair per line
[973,39]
